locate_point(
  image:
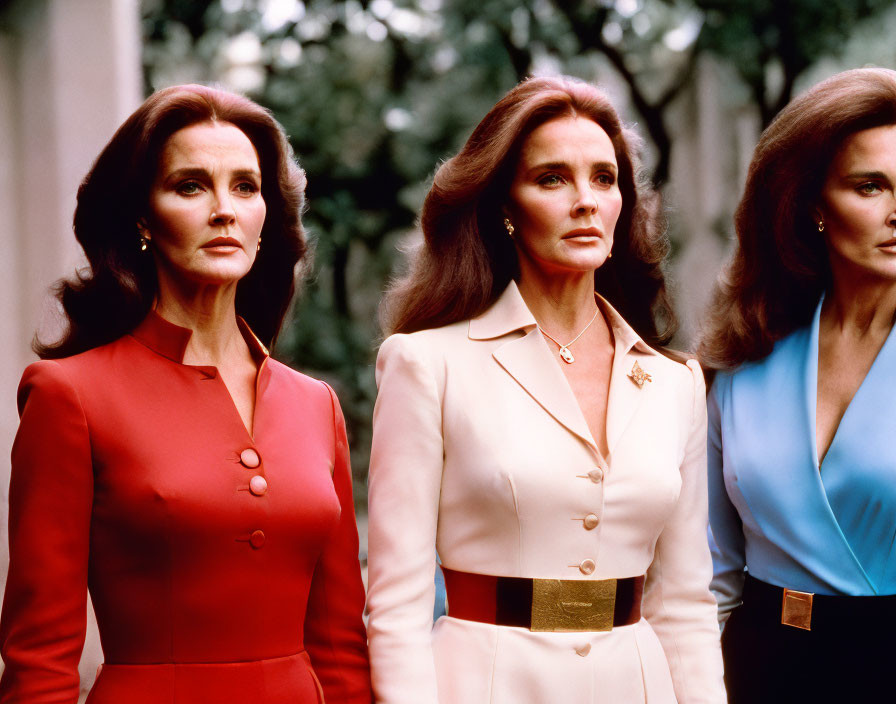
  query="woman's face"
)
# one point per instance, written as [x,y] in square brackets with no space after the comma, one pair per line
[858,205]
[205,206]
[564,200]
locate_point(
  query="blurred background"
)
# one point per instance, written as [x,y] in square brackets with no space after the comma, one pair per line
[374,94]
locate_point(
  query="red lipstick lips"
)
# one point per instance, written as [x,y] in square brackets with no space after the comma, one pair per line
[222,242]
[583,232]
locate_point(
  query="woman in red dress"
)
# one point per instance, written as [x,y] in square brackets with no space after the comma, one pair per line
[199,489]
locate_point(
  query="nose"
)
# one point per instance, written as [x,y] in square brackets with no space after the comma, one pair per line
[223,212]
[585,203]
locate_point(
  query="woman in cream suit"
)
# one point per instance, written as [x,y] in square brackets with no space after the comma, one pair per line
[530,435]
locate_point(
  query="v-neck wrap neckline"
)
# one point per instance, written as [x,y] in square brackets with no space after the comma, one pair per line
[827,530]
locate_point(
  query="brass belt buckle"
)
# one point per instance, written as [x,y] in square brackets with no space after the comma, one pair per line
[796,609]
[573,605]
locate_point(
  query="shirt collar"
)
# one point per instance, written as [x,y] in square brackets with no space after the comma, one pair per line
[170,340]
[510,313]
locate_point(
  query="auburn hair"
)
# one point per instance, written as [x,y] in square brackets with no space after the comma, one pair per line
[466,259]
[111,296]
[779,267]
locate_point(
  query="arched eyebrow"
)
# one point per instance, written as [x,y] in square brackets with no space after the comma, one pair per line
[562,166]
[867,176]
[200,173]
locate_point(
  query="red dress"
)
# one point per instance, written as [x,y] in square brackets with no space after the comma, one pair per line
[222,567]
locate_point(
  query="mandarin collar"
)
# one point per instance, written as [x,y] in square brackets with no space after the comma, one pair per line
[170,340]
[510,313]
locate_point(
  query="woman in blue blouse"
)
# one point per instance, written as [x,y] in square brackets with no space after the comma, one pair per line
[802,414]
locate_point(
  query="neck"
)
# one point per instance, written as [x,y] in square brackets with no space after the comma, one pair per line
[562,305]
[210,313]
[860,307]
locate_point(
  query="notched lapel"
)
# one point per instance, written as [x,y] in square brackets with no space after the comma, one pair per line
[528,360]
[625,395]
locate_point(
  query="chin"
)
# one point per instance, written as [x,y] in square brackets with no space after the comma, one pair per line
[591,264]
[219,276]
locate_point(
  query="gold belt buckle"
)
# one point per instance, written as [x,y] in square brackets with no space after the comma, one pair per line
[796,609]
[573,605]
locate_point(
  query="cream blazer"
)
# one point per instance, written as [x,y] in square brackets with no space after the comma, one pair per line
[481,451]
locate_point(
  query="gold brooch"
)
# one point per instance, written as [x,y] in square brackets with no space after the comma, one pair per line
[639,376]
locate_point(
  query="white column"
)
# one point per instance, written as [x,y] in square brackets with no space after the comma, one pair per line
[706,181]
[69,75]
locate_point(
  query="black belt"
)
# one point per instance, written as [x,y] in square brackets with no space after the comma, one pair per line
[816,612]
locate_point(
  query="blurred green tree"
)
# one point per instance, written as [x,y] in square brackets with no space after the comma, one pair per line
[375,93]
[772,42]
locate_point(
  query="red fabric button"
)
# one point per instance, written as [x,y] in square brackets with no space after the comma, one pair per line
[258,485]
[249,458]
[256,540]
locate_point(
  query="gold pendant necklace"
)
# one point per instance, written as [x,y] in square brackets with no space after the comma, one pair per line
[565,354]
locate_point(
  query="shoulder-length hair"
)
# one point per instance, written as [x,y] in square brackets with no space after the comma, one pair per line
[110,297]
[467,259]
[779,267]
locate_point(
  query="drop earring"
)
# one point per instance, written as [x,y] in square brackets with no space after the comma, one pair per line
[821,225]
[142,239]
[258,246]
[509,227]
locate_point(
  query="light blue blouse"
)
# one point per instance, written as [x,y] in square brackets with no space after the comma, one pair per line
[827,530]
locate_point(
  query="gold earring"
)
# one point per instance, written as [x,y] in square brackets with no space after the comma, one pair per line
[610,255]
[821,225]
[258,246]
[509,227]
[142,239]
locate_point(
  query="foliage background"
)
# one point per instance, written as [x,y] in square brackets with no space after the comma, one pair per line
[374,93]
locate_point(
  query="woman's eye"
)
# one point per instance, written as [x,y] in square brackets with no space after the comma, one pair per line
[605,178]
[188,188]
[550,180]
[867,189]
[247,187]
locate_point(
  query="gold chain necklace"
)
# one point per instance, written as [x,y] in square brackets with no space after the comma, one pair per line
[565,354]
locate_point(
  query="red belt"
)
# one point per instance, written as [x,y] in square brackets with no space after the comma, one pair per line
[544,604]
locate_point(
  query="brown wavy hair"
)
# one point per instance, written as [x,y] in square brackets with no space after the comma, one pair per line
[112,296]
[779,267]
[467,260]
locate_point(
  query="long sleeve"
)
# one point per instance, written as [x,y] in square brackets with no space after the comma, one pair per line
[728,544]
[44,614]
[677,601]
[405,479]
[335,637]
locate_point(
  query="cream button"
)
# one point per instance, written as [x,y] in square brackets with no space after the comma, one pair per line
[249,458]
[256,540]
[584,650]
[258,485]
[596,475]
[586,566]
[590,521]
